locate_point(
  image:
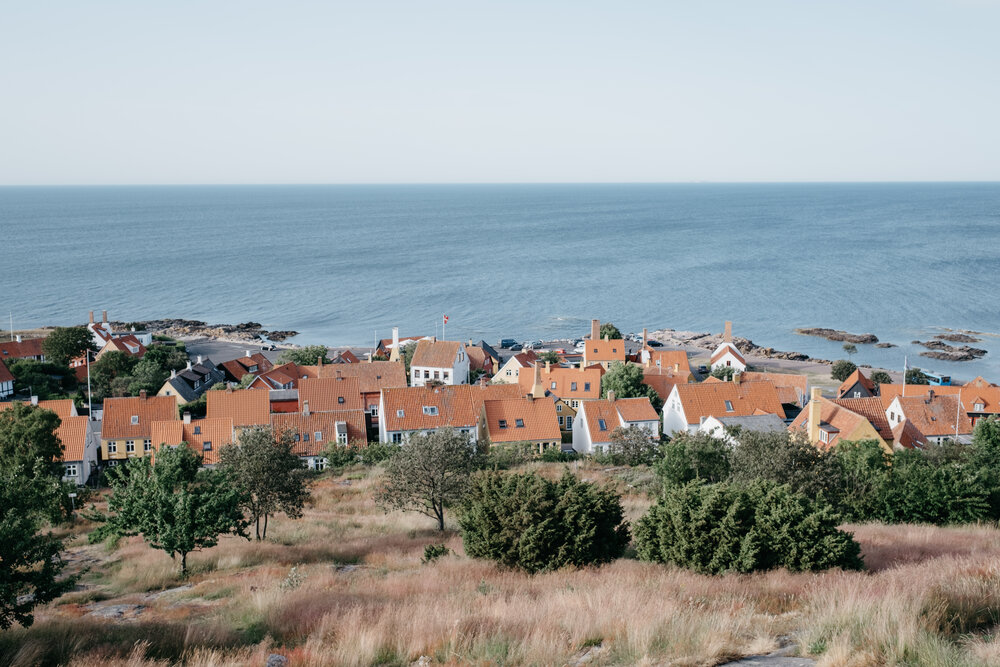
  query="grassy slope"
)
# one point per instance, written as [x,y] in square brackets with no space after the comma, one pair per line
[359,595]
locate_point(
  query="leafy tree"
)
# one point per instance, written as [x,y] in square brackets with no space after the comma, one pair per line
[633,446]
[65,343]
[716,528]
[174,505]
[851,349]
[167,357]
[880,378]
[112,366]
[693,456]
[407,356]
[429,473]
[984,459]
[916,376]
[611,331]
[918,491]
[377,452]
[304,356]
[724,373]
[147,375]
[784,459]
[549,356]
[626,381]
[271,477]
[864,470]
[245,381]
[842,369]
[27,433]
[42,378]
[531,523]
[30,561]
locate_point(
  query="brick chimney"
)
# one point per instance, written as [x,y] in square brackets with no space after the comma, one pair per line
[142,394]
[537,389]
[814,413]
[104,316]
[548,366]
[187,417]
[91,317]
[611,397]
[727,335]
[305,408]
[595,329]
[677,368]
[645,336]
[737,377]
[319,360]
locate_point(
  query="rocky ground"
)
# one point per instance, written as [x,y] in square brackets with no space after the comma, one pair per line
[177,328]
[834,334]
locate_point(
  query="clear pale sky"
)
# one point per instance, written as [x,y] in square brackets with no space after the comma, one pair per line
[467,91]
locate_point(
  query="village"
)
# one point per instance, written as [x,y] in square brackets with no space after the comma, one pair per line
[570,399]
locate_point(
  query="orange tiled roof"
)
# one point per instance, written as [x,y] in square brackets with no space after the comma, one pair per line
[525,359]
[237,368]
[372,377]
[73,432]
[128,344]
[330,393]
[872,410]
[907,436]
[987,395]
[857,377]
[5,374]
[792,388]
[570,383]
[709,399]
[667,359]
[306,427]
[723,349]
[246,407]
[11,349]
[218,431]
[118,413]
[597,351]
[457,406]
[436,353]
[62,406]
[936,416]
[635,409]
[519,419]
[631,410]
[834,419]
[479,359]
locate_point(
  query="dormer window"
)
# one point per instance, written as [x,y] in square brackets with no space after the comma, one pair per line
[603,425]
[979,407]
[135,419]
[253,369]
[503,423]
[197,430]
[729,406]
[399,413]
[519,423]
[340,399]
[206,446]
[430,410]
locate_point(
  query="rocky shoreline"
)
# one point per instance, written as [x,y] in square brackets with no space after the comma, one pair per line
[837,335]
[936,349]
[179,328]
[709,342]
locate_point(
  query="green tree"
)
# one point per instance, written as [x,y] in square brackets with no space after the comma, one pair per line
[147,375]
[611,331]
[984,460]
[784,459]
[531,523]
[428,474]
[28,432]
[42,378]
[851,349]
[168,357]
[30,561]
[407,356]
[272,478]
[65,343]
[634,446]
[842,369]
[304,356]
[724,373]
[176,506]
[880,378]
[864,471]
[693,456]
[921,490]
[626,381]
[111,367]
[916,376]
[549,356]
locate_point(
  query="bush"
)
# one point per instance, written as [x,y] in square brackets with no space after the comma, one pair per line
[693,456]
[434,551]
[340,456]
[556,455]
[378,452]
[716,528]
[918,491]
[531,523]
[783,458]
[842,369]
[507,456]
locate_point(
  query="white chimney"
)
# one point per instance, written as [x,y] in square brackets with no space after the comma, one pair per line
[34,400]
[18,338]
[187,417]
[246,353]
[305,408]
[395,336]
[189,364]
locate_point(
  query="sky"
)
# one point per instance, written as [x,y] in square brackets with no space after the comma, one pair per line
[470,91]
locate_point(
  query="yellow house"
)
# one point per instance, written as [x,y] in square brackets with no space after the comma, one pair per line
[826,423]
[567,387]
[127,428]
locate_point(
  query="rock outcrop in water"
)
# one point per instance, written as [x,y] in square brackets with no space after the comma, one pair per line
[834,334]
[178,328]
[957,338]
[945,352]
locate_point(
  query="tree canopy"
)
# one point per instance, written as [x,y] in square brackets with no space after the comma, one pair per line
[626,381]
[842,369]
[880,378]
[43,379]
[633,446]
[610,330]
[916,376]
[304,356]
[65,343]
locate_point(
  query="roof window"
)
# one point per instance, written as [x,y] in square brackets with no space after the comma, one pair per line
[399,413]
[519,423]
[602,424]
[729,406]
[503,423]
[340,399]
[430,410]
[135,419]
[197,430]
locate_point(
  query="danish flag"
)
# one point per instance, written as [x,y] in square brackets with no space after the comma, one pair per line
[446,319]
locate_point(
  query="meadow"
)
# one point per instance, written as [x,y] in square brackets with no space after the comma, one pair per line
[346,585]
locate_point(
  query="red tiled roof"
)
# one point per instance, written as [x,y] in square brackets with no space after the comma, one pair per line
[285,376]
[857,377]
[246,407]
[635,409]
[5,374]
[11,349]
[834,419]
[330,393]
[630,410]
[63,407]
[709,399]
[128,344]
[307,426]
[372,377]
[218,431]
[987,395]
[793,389]
[237,368]
[907,436]
[872,410]
[668,359]
[570,383]
[723,349]
[522,419]
[457,406]
[436,353]
[118,413]
[598,351]
[73,432]
[936,416]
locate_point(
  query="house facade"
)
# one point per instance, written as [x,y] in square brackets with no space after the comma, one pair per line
[440,361]
[6,381]
[126,429]
[726,355]
[938,418]
[408,411]
[516,420]
[597,420]
[688,405]
[510,372]
[189,384]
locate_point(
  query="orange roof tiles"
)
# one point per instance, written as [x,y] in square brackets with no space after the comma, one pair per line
[436,353]
[236,368]
[872,410]
[426,408]
[836,418]
[312,432]
[599,351]
[246,407]
[907,436]
[128,344]
[669,359]
[63,407]
[936,416]
[792,388]
[612,413]
[520,419]
[635,409]
[567,383]
[5,374]
[373,376]
[119,412]
[709,399]
[987,396]
[73,433]
[330,393]
[217,433]
[857,377]
[10,349]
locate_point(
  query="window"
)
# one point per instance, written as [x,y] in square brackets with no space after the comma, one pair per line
[318,436]
[253,369]
[129,446]
[427,374]
[729,406]
[552,385]
[197,430]
[574,404]
[437,375]
[978,407]
[399,413]
[569,422]
[342,438]
[560,421]
[71,470]
[430,410]
[519,423]
[319,464]
[373,410]
[602,424]
[503,423]
[340,399]
[586,386]
[112,447]
[298,437]
[305,437]
[508,372]
[824,436]
[572,386]
[857,394]
[558,407]
[197,383]
[595,350]
[135,419]
[445,375]
[397,437]
[147,445]
[206,446]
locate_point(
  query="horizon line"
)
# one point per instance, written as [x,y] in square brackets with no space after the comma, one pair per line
[488,183]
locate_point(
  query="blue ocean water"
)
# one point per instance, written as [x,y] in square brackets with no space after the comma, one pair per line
[342,264]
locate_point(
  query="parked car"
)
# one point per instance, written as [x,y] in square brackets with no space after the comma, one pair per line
[506,343]
[581,346]
[516,347]
[654,343]
[268,346]
[703,369]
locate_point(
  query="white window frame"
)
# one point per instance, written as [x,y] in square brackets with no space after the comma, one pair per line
[130,446]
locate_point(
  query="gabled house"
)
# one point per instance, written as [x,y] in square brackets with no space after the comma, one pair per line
[872,410]
[205,437]
[672,361]
[600,351]
[792,388]
[690,404]
[482,357]
[722,427]
[511,371]
[938,418]
[597,420]
[80,444]
[189,384]
[6,381]
[344,357]
[248,364]
[567,387]
[857,385]
[825,424]
[443,361]
[19,348]
[406,411]
[285,376]
[726,355]
[372,376]
[127,344]
[979,398]
[663,379]
[312,431]
[523,419]
[245,407]
[330,394]
[126,429]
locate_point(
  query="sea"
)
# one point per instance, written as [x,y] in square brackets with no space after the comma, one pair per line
[343,264]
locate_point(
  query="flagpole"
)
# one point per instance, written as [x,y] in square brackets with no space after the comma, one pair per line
[90,401]
[904,375]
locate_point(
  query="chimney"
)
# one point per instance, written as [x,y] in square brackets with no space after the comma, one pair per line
[17,338]
[173,373]
[677,368]
[246,353]
[434,339]
[189,364]
[319,360]
[104,316]
[394,352]
[200,358]
[727,335]
[930,396]
[548,366]
[595,329]
[537,389]
[187,417]
[611,397]
[814,414]
[607,337]
[91,317]
[142,395]
[645,336]
[34,400]
[305,408]
[737,377]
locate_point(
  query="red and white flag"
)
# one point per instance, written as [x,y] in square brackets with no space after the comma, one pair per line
[445,319]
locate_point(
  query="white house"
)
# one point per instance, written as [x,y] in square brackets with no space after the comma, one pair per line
[407,411]
[511,371]
[597,420]
[718,427]
[938,418]
[726,355]
[688,405]
[443,361]
[80,447]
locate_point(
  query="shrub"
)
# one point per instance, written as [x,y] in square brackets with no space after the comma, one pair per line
[634,446]
[340,456]
[434,551]
[920,492]
[715,528]
[531,523]
[785,459]
[378,452]
[556,455]
[507,456]
[693,456]
[842,369]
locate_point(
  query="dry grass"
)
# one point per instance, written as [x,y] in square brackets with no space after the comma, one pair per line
[361,596]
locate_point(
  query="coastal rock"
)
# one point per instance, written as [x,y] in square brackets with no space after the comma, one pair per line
[834,334]
[885,345]
[957,338]
[180,328]
[945,352]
